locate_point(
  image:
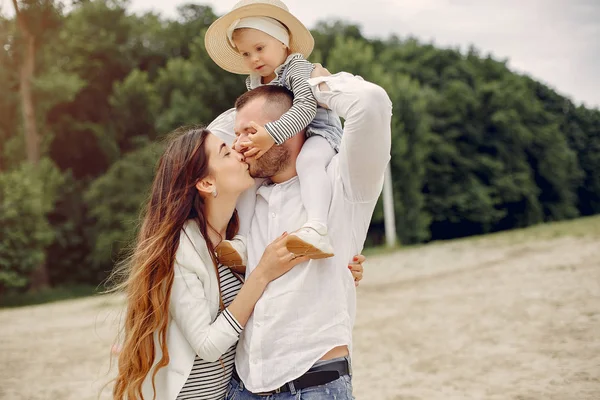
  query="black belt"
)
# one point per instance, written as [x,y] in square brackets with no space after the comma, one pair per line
[316,376]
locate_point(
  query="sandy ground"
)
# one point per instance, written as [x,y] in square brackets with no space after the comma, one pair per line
[477,319]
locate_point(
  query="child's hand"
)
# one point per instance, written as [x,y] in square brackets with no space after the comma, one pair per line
[260,141]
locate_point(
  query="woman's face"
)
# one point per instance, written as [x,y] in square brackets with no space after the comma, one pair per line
[227,167]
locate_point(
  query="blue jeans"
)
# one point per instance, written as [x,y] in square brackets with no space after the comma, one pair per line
[340,389]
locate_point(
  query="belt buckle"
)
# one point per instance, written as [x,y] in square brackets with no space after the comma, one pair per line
[272,392]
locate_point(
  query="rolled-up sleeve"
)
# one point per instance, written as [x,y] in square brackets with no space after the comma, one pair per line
[366,142]
[190,309]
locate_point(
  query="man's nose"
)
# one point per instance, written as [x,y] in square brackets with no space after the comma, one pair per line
[237,146]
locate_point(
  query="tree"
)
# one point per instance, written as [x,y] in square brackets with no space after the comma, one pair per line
[115,200]
[194,91]
[27,195]
[326,33]
[34,19]
[475,147]
[135,104]
[9,81]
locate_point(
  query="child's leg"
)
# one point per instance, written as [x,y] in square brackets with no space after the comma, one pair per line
[315,186]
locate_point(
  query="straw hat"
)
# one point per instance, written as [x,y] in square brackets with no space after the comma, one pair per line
[228,58]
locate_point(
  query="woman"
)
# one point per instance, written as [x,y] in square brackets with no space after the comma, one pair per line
[185,311]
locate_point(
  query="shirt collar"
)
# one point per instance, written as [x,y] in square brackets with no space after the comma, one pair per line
[267,187]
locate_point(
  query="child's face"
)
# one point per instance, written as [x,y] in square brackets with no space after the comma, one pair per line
[262,53]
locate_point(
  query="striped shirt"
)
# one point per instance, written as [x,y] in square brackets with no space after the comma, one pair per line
[293,75]
[209,380]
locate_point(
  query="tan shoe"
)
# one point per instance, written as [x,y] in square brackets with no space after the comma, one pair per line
[311,240]
[233,253]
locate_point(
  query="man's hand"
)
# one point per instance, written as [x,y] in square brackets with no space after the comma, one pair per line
[318,71]
[258,142]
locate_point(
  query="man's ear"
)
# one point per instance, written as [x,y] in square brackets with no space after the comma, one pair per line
[206,185]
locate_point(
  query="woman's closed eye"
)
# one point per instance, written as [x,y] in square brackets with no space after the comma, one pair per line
[224,149]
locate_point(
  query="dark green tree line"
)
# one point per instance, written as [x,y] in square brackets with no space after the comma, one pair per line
[476,148]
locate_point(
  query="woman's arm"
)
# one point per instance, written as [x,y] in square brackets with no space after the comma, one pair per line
[190,308]
[276,261]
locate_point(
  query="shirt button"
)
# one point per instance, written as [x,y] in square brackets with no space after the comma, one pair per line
[273,215]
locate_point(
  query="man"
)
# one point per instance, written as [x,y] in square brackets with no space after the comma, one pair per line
[300,336]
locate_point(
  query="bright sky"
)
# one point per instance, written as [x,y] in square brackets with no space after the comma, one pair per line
[555,41]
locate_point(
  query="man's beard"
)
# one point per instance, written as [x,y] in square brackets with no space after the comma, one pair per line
[271,163]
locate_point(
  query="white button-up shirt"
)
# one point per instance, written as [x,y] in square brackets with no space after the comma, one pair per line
[311,309]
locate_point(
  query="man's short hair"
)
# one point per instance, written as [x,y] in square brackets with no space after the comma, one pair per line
[278,99]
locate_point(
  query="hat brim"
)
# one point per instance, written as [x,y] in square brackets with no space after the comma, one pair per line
[225,56]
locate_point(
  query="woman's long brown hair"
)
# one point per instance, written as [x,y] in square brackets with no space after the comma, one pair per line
[147,274]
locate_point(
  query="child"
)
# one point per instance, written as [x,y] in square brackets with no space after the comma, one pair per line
[261,38]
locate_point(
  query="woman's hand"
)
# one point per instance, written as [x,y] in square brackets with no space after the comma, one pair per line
[356,267]
[277,260]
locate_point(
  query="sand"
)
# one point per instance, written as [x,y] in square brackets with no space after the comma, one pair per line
[475,319]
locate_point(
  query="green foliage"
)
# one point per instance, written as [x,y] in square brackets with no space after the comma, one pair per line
[476,148]
[27,195]
[190,92]
[9,111]
[135,104]
[410,134]
[115,200]
[73,240]
[327,33]
[95,45]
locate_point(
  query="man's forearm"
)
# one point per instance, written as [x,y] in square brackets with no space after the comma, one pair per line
[366,143]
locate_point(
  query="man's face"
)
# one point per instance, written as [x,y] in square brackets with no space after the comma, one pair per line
[276,158]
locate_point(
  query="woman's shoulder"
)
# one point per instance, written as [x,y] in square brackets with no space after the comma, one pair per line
[192,252]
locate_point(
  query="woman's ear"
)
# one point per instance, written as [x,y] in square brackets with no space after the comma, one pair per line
[206,186]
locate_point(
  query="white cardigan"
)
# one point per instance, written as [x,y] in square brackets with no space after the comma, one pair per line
[193,324]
